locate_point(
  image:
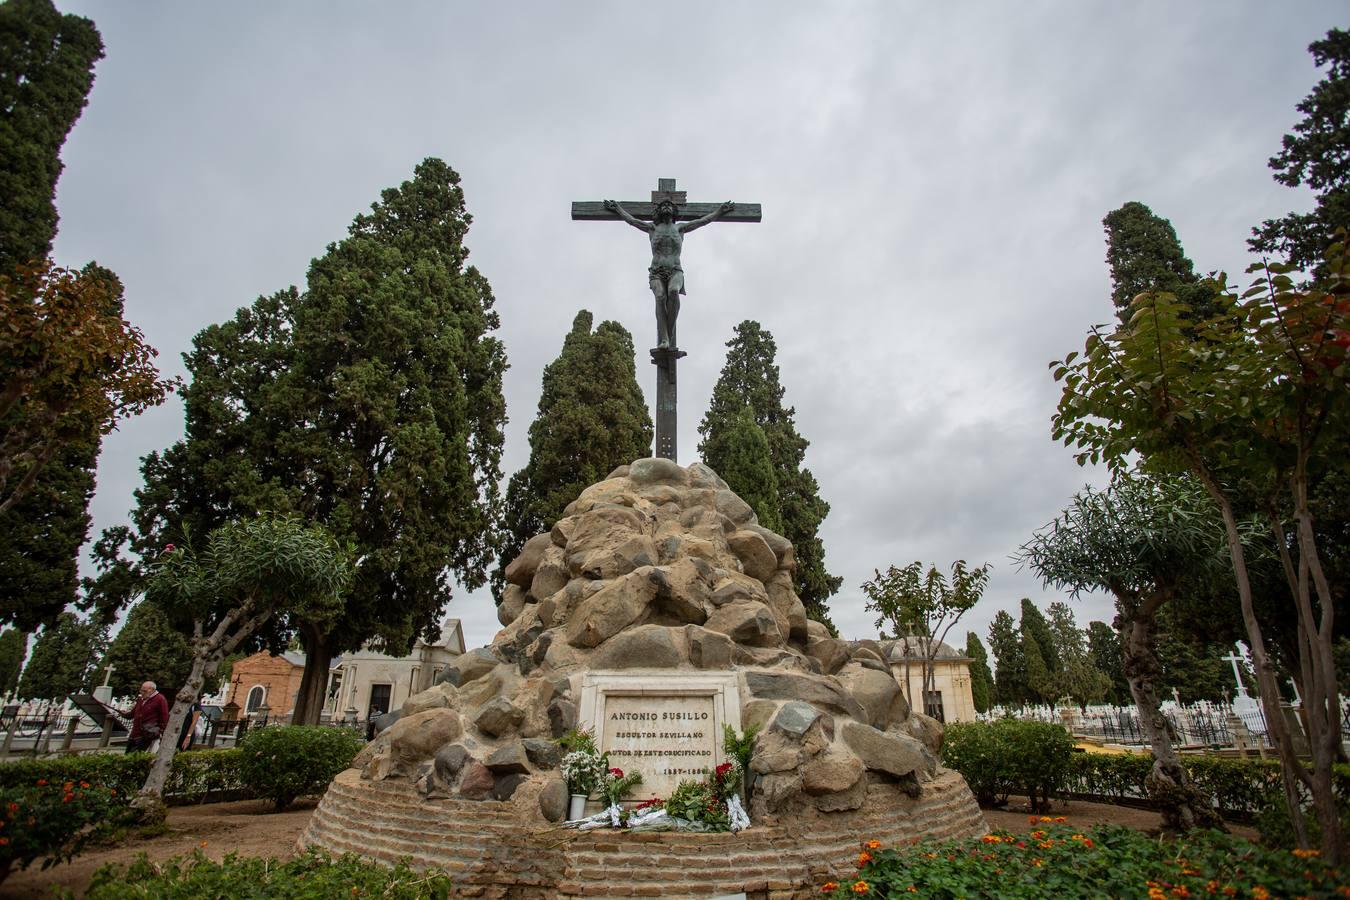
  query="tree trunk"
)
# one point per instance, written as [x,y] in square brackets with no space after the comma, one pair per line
[314,682]
[207,653]
[1183,806]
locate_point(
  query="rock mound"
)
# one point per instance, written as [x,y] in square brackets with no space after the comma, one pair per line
[660,567]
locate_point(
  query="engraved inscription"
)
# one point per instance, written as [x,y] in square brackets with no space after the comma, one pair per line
[667,738]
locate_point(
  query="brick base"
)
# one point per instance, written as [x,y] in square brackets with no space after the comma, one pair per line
[490,853]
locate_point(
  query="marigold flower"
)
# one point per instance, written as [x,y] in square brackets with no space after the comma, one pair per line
[829,886]
[42,782]
[1305,854]
[85,785]
[873,844]
[1181,890]
[992,839]
[1043,819]
[1260,893]
[68,786]
[864,858]
[67,798]
[203,844]
[1060,819]
[1038,862]
[1032,820]
[1038,834]
[4,842]
[860,887]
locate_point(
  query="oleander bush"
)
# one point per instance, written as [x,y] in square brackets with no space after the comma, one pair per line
[283,762]
[1010,757]
[1105,861]
[313,875]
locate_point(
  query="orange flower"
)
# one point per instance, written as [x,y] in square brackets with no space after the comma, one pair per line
[1032,820]
[992,839]
[12,808]
[873,844]
[85,785]
[864,858]
[4,842]
[1060,819]
[42,782]
[860,887]
[68,786]
[67,798]
[1260,893]
[1038,834]
[203,843]
[1181,890]
[1038,862]
[1305,854]
[829,886]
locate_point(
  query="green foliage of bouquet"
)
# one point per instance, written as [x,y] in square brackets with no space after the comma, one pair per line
[614,785]
[283,762]
[53,820]
[313,875]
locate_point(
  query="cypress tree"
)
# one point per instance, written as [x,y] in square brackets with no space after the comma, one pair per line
[1033,623]
[370,403]
[46,72]
[591,419]
[750,378]
[1317,154]
[13,648]
[1010,668]
[63,659]
[147,648]
[1145,254]
[1104,647]
[981,681]
[748,468]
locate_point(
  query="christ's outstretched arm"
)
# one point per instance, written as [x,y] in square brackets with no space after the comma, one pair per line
[710,217]
[624,214]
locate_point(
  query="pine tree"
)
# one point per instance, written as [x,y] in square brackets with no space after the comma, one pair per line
[981,681]
[750,378]
[1317,154]
[13,648]
[63,659]
[1010,667]
[372,403]
[1145,255]
[147,648]
[46,71]
[591,419]
[747,466]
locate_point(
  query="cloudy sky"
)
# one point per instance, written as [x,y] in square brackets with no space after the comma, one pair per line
[933,178]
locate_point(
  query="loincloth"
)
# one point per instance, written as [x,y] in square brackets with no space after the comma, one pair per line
[663,275]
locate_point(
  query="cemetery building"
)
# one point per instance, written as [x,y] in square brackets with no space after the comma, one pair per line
[951,699]
[360,684]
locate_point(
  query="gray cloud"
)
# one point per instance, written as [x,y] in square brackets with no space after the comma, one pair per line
[933,180]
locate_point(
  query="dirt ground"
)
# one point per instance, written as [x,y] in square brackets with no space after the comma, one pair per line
[250,828]
[247,827]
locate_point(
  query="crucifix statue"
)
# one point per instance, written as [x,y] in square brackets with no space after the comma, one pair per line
[666,220]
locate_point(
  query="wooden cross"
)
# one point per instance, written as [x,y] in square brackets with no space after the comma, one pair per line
[664,358]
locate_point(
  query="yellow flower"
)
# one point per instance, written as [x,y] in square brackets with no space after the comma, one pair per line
[829,886]
[860,887]
[864,858]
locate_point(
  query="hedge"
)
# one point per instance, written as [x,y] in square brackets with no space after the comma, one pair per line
[196,775]
[1009,757]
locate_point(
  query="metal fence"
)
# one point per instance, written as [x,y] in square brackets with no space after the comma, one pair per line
[1199,725]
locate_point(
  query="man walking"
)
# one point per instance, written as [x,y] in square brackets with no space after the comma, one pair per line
[148,718]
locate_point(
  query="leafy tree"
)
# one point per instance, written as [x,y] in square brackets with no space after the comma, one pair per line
[747,465]
[13,649]
[1146,540]
[981,681]
[372,403]
[1252,404]
[1144,254]
[1317,154]
[1104,645]
[46,71]
[148,648]
[591,419]
[750,378]
[1010,666]
[247,572]
[63,659]
[913,603]
[1191,667]
[70,368]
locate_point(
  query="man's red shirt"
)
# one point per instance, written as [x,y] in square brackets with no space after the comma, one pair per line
[149,716]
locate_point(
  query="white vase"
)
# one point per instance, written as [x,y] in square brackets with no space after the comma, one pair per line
[576,806]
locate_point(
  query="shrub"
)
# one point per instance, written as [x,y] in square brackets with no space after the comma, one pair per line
[52,820]
[1007,756]
[283,762]
[311,875]
[1106,861]
[195,775]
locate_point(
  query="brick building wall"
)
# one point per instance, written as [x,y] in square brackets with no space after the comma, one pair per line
[278,676]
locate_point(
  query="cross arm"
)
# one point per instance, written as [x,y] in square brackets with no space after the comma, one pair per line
[594,211]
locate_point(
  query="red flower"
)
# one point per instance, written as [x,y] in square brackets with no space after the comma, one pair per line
[168,548]
[723,769]
[617,773]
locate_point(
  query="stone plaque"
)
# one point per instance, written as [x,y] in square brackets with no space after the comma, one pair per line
[666,726]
